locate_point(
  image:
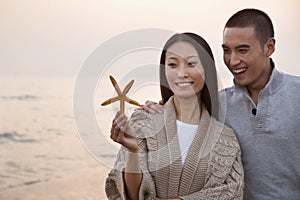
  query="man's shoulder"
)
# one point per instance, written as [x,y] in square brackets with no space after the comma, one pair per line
[291,77]
[226,91]
[290,82]
[227,88]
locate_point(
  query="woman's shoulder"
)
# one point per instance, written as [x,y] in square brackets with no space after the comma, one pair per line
[227,139]
[229,135]
[225,152]
[142,115]
[143,122]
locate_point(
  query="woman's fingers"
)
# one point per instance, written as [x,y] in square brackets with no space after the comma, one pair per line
[120,137]
[122,133]
[128,141]
[120,123]
[114,131]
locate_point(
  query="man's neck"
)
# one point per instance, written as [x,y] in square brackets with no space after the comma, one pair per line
[255,89]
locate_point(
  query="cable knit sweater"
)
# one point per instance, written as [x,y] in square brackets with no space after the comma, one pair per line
[212,170]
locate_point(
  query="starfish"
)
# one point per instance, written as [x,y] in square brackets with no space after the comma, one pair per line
[121,95]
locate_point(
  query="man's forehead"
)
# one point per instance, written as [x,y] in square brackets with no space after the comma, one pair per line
[238,36]
[238,31]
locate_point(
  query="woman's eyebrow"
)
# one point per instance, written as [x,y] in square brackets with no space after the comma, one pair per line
[172,58]
[193,56]
[175,58]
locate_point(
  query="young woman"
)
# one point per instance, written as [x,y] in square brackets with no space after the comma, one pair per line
[184,153]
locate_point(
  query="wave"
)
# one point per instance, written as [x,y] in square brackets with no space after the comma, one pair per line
[22,184]
[20,97]
[15,137]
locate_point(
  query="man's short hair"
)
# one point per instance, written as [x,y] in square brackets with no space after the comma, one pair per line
[250,17]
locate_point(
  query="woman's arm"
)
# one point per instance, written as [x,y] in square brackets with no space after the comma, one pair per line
[123,134]
[133,176]
[116,185]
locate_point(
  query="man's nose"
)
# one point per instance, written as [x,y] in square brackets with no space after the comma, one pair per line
[234,60]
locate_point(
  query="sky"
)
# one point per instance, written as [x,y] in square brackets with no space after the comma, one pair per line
[53,38]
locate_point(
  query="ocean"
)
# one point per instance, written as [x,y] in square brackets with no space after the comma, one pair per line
[40,142]
[38,137]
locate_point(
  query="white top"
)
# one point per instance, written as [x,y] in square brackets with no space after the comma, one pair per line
[186,133]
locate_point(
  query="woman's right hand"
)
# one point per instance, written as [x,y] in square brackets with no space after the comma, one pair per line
[122,133]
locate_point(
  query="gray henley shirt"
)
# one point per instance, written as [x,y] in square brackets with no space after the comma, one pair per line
[269,136]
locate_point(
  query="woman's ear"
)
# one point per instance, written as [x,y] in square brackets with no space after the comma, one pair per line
[269,47]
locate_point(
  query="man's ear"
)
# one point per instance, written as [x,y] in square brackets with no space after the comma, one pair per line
[269,47]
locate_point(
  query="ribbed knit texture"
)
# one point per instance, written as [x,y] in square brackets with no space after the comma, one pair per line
[212,169]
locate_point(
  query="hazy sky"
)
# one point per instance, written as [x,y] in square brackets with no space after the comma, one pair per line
[54,37]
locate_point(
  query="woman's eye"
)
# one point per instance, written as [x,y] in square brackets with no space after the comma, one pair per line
[171,64]
[192,64]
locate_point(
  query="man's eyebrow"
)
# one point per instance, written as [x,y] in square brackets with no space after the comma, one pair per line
[224,46]
[243,46]
[237,47]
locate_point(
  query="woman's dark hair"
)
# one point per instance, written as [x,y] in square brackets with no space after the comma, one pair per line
[209,93]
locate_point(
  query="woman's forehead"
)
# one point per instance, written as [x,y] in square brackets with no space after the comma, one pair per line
[182,49]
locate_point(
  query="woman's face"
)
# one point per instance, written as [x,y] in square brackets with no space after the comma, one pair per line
[184,70]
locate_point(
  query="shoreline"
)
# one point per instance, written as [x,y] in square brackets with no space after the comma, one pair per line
[87,184]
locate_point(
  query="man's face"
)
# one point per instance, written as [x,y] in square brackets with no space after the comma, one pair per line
[244,56]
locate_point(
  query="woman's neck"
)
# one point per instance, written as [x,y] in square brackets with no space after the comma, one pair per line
[188,110]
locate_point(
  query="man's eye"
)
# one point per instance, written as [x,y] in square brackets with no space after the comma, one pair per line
[243,50]
[226,51]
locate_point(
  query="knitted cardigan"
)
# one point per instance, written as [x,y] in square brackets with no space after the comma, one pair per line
[212,169]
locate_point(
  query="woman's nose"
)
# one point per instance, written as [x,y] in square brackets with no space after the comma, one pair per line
[182,72]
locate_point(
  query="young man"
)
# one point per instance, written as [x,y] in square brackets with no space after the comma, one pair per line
[263,108]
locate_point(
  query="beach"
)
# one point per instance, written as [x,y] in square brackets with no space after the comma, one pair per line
[42,155]
[83,184]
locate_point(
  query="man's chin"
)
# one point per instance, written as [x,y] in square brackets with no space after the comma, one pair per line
[241,82]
